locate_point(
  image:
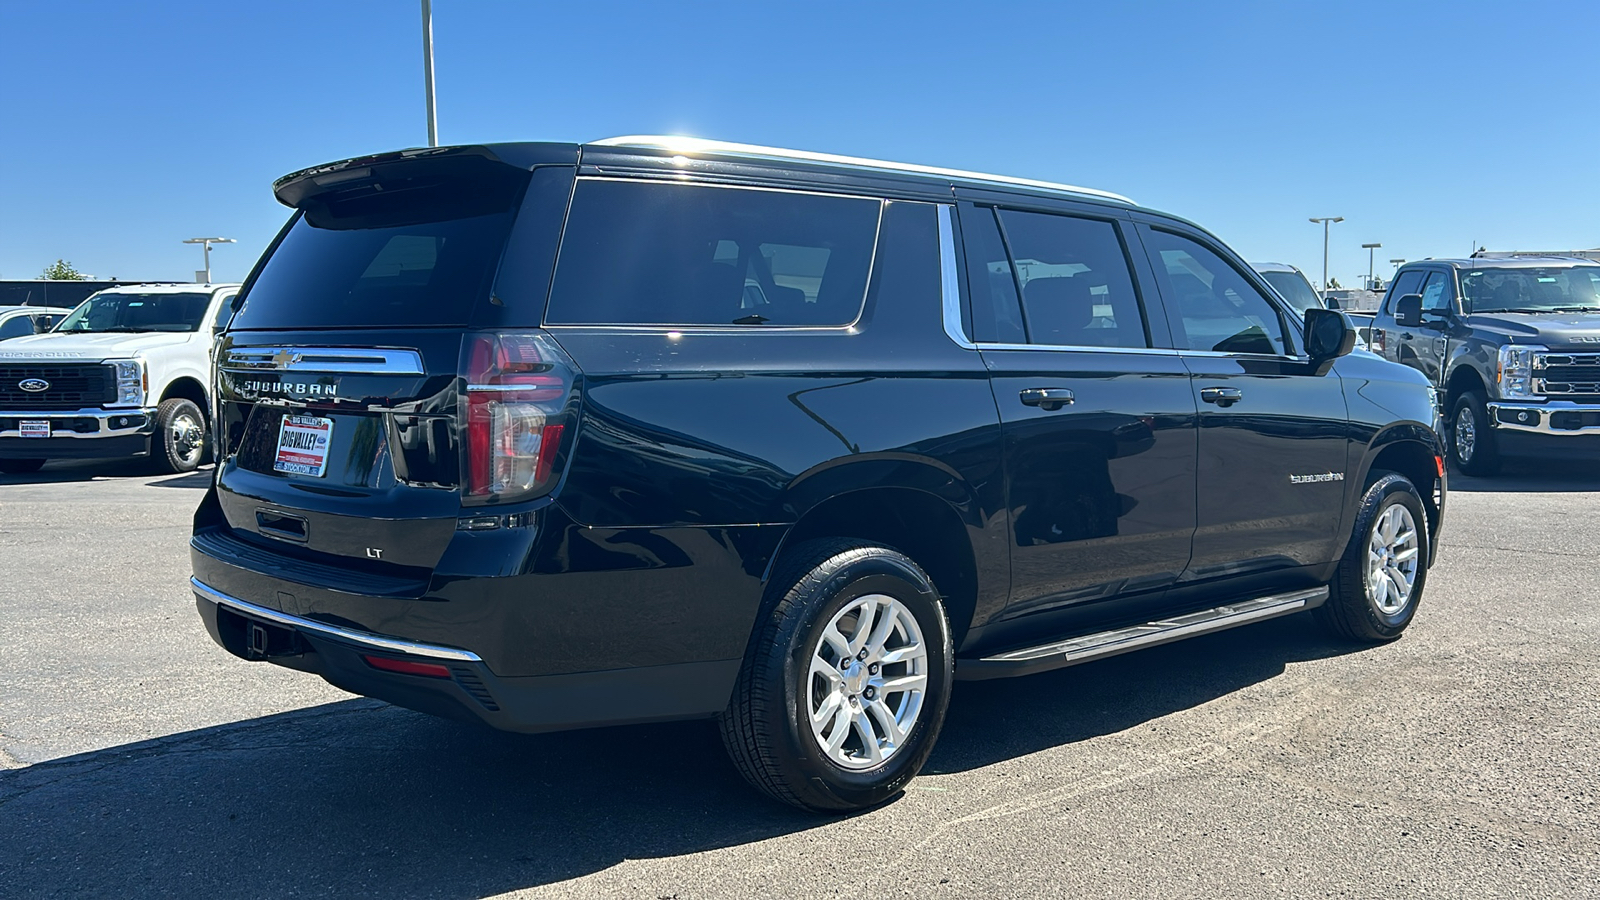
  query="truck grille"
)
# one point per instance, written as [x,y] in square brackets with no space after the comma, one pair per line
[1568,374]
[75,386]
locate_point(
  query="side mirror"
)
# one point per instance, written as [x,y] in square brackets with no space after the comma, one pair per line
[1329,334]
[1408,311]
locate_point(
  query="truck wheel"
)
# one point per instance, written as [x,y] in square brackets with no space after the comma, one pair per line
[180,438]
[1472,440]
[20,466]
[846,681]
[1379,581]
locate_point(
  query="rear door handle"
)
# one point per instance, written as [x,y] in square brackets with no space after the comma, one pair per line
[1047,399]
[1221,396]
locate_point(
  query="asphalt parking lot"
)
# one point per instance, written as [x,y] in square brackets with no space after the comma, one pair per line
[136,758]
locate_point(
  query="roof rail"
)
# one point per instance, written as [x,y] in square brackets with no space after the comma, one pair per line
[685,145]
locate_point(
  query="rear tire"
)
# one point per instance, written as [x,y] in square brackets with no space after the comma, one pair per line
[821,723]
[180,439]
[20,466]
[1473,447]
[1380,580]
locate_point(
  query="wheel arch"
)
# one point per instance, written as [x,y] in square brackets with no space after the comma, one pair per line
[188,388]
[1416,452]
[1463,378]
[920,508]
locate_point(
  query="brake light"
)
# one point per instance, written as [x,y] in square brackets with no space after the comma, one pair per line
[518,388]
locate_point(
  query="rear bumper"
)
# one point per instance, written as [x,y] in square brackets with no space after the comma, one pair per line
[470,691]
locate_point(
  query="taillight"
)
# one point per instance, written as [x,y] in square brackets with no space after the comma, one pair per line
[518,388]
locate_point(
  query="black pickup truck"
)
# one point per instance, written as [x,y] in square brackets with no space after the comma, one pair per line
[1513,347]
[550,436]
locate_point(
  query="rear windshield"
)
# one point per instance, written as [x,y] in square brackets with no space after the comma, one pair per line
[640,253]
[419,258]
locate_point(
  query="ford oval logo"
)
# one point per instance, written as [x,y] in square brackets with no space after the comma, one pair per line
[35,385]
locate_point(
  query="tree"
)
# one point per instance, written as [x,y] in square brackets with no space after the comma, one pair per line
[61,270]
[1333,284]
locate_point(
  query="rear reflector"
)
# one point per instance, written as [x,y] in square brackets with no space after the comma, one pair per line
[407,667]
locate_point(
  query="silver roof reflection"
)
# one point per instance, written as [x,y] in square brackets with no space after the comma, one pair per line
[692,145]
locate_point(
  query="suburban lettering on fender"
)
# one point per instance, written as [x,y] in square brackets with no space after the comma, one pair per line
[1321,476]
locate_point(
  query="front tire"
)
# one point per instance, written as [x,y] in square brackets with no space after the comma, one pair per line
[846,681]
[1473,447]
[1379,582]
[179,442]
[20,466]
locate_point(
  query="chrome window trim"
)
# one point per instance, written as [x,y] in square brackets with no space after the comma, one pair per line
[950,279]
[341,360]
[1157,351]
[684,145]
[350,635]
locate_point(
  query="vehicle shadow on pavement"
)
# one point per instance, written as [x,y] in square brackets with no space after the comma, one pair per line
[359,797]
[1530,477]
[65,471]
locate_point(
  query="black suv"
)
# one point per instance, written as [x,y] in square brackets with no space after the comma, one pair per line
[1513,346]
[551,436]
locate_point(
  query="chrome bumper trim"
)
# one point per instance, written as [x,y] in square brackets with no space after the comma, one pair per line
[95,412]
[1544,410]
[349,635]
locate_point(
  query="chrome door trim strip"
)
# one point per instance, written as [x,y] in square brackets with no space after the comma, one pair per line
[950,280]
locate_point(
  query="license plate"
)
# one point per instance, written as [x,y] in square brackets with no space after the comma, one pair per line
[303,445]
[35,428]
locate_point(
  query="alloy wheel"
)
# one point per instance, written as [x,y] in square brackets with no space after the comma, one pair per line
[187,438]
[1392,560]
[867,680]
[1466,434]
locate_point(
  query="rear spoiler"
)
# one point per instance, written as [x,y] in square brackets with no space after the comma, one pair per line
[367,173]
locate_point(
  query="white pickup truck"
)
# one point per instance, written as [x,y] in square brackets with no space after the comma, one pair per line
[126,374]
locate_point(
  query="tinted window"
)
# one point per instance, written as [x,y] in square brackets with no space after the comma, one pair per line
[415,246]
[1219,308]
[640,253]
[1293,287]
[1077,289]
[1407,282]
[16,326]
[996,312]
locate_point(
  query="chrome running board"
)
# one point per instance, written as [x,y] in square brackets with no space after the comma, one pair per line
[1088,647]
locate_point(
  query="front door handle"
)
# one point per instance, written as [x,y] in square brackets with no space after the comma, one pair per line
[1221,396]
[1047,399]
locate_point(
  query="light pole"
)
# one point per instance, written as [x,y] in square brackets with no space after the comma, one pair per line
[1397,263]
[1370,248]
[206,275]
[1326,221]
[427,70]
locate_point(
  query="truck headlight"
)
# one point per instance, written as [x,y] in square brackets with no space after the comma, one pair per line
[132,381]
[1516,371]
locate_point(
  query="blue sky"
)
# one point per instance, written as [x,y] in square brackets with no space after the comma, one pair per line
[126,127]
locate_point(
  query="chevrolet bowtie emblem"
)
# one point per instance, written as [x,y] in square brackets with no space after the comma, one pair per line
[285,358]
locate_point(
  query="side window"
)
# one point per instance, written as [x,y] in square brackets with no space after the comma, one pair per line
[16,326]
[1407,282]
[1077,289]
[1220,310]
[645,253]
[996,312]
[219,316]
[1438,295]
